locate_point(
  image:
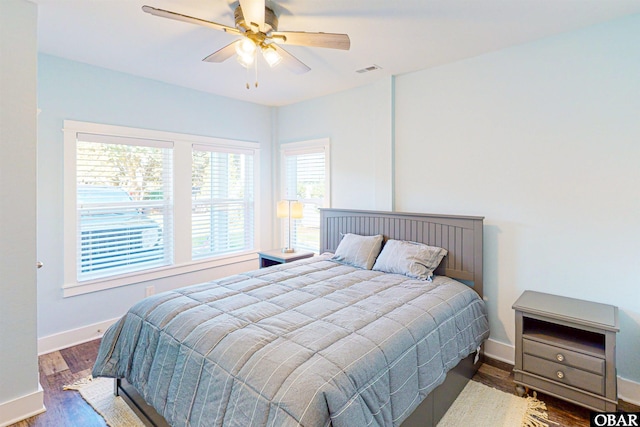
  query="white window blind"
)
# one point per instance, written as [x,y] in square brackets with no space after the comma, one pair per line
[124,205]
[223,205]
[306,179]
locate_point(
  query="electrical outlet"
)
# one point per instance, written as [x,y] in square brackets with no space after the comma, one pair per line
[150,290]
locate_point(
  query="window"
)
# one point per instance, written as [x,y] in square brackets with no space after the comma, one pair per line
[305,177]
[143,204]
[222,198]
[124,205]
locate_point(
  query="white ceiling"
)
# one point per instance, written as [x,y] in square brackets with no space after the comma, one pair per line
[398,35]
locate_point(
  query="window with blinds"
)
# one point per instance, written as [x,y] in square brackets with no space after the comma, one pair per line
[305,177]
[222,194]
[143,204]
[124,205]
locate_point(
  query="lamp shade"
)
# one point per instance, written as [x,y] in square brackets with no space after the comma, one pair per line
[296,210]
[282,210]
[289,208]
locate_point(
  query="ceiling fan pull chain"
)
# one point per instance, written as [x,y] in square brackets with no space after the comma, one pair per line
[247,72]
[256,63]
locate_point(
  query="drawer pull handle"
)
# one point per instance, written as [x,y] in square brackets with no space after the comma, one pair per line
[560,357]
[560,374]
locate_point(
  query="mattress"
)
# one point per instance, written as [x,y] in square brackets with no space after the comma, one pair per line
[311,343]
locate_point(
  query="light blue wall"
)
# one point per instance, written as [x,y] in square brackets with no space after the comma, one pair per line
[69,90]
[358,124]
[542,139]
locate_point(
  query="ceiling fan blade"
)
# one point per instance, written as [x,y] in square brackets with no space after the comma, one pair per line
[290,62]
[223,54]
[253,11]
[190,19]
[301,38]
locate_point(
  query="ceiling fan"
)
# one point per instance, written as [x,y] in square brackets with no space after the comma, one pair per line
[257,25]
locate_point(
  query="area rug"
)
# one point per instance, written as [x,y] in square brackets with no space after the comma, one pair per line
[98,392]
[477,405]
[482,406]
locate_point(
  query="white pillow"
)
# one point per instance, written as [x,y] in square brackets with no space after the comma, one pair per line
[358,251]
[412,259]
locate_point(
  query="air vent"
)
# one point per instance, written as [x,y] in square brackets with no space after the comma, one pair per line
[369,68]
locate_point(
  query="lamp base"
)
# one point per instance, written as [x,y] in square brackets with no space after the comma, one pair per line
[288,250]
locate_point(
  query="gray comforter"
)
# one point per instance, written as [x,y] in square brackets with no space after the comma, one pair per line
[312,343]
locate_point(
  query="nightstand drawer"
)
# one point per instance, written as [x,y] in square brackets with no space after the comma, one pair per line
[563,356]
[564,374]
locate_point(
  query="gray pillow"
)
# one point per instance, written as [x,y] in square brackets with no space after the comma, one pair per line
[358,251]
[412,259]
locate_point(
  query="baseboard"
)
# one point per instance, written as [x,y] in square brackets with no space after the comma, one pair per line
[22,408]
[628,390]
[73,337]
[500,351]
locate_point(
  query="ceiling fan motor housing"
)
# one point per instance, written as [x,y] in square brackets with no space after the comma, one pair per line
[270,21]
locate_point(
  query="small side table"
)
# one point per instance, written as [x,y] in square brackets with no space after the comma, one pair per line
[566,347]
[276,256]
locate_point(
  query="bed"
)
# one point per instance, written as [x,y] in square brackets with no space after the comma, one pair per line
[315,342]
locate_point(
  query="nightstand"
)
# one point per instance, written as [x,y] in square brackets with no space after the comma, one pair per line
[276,256]
[566,348]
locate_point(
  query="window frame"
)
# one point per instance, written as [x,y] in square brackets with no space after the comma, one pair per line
[182,158]
[297,148]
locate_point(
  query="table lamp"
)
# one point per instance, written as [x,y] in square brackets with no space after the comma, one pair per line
[291,209]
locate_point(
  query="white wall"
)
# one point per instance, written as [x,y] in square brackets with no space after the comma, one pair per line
[19,388]
[358,124]
[541,139]
[69,90]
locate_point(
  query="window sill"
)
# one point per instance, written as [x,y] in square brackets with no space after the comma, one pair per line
[74,289]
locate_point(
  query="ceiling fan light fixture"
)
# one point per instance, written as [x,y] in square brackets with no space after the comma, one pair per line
[245,60]
[246,47]
[272,56]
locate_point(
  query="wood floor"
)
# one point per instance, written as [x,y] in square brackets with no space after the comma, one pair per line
[68,409]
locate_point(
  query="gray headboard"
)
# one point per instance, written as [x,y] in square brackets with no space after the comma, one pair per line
[460,235]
